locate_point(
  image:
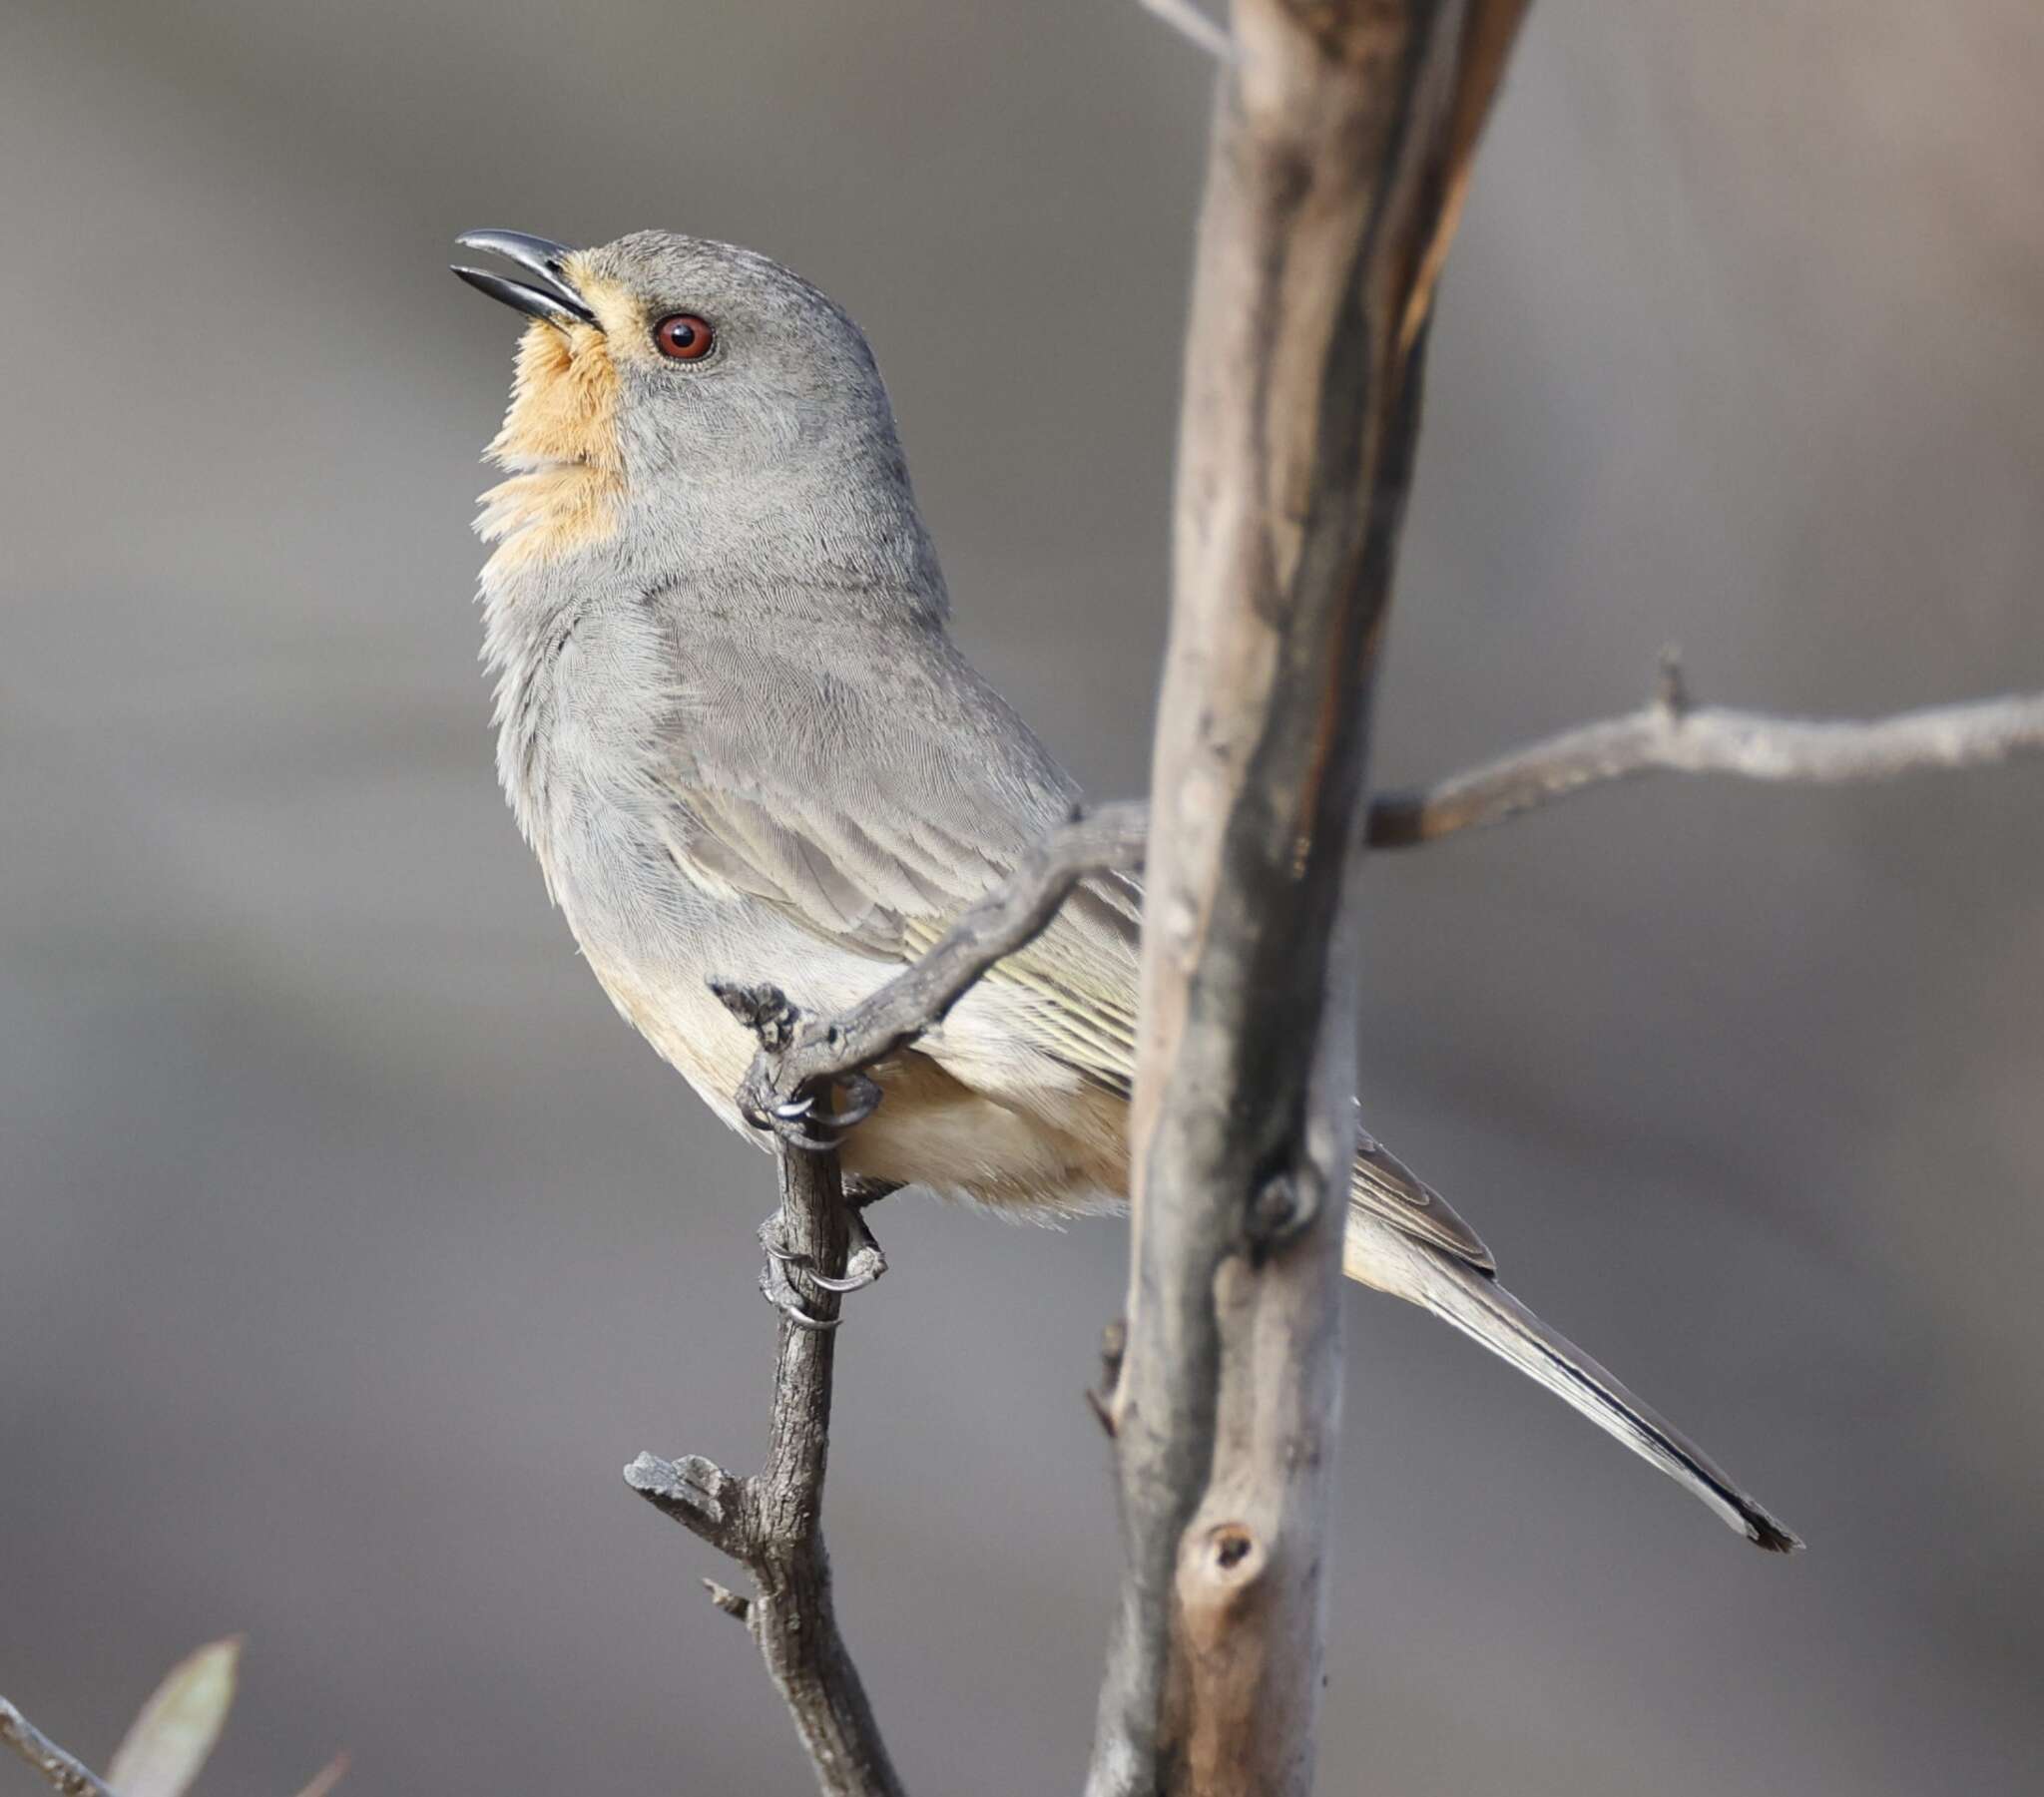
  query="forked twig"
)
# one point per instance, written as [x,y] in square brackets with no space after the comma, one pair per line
[771,1524]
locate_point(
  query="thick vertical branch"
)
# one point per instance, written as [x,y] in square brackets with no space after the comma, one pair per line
[1339,137]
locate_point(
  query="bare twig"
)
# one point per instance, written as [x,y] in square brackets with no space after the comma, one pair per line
[59,1771]
[772,1523]
[1192,24]
[1668,736]
[1338,143]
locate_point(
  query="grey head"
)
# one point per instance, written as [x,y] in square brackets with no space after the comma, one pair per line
[696,411]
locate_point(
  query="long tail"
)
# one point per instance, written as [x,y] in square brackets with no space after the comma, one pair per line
[1380,1255]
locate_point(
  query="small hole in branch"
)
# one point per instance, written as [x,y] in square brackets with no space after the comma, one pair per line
[1233,1543]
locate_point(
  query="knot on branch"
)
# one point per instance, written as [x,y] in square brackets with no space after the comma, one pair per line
[1221,1569]
[1279,1212]
[1234,1551]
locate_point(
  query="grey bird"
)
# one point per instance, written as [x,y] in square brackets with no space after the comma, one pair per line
[736,733]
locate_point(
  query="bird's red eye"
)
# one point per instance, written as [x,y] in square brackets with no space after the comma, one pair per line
[684,336]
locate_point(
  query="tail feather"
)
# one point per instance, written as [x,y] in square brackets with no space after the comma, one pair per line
[1477,1305]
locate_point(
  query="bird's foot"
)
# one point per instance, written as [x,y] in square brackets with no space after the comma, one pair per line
[804,1123]
[779,1289]
[811,1113]
[862,1266]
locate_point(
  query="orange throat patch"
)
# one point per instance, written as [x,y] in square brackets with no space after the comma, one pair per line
[560,446]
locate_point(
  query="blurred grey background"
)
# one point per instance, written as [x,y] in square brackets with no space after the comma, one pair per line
[349,1243]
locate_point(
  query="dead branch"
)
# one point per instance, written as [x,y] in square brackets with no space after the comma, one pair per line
[1668,736]
[1339,142]
[771,1524]
[59,1770]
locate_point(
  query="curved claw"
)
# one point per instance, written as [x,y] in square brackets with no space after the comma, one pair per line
[798,1136]
[857,1275]
[789,1305]
[797,1120]
[821,1133]
[863,1096]
[793,1129]
[862,1266]
[775,1288]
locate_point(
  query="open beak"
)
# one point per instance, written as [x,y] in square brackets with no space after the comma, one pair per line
[554,299]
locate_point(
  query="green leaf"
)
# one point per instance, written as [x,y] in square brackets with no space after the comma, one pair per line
[179,1726]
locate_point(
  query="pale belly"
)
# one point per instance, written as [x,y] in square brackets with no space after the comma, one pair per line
[1038,1150]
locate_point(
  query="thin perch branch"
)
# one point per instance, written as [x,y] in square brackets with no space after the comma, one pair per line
[1668,736]
[772,1523]
[59,1771]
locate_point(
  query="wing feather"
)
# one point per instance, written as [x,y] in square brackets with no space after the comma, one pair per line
[1384,1185]
[873,813]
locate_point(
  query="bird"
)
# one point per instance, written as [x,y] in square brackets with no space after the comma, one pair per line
[737,734]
